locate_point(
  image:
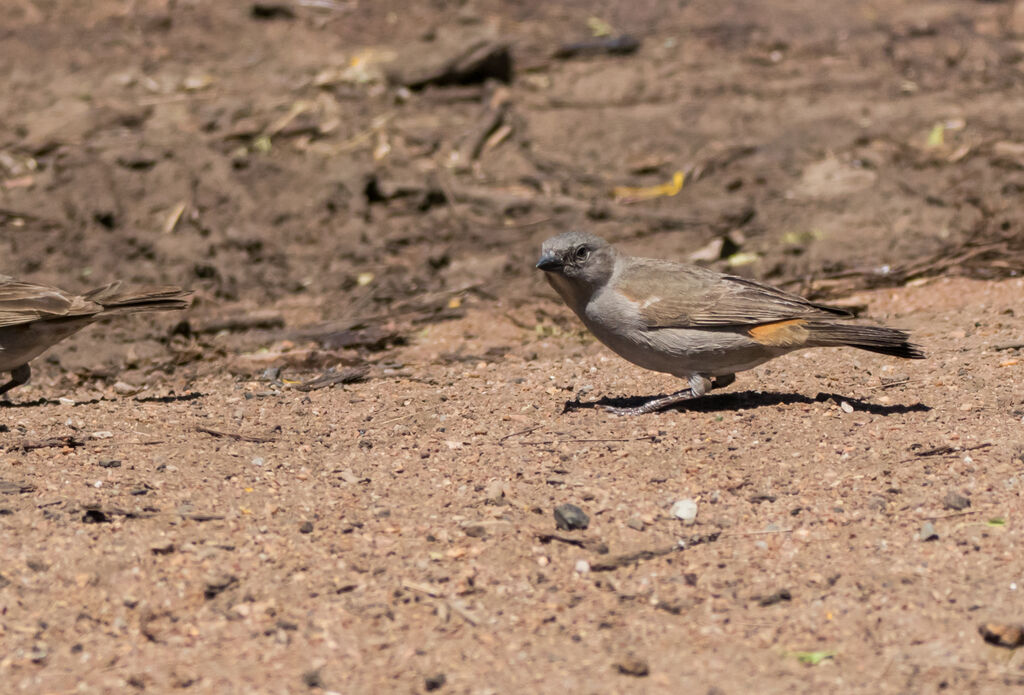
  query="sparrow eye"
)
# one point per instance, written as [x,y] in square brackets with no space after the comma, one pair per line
[582,254]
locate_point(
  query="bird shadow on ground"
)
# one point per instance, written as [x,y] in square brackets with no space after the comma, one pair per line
[191,396]
[749,399]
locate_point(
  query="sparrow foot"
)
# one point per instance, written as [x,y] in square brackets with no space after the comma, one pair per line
[699,385]
[653,405]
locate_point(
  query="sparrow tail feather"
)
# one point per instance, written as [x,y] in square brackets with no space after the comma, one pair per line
[887,341]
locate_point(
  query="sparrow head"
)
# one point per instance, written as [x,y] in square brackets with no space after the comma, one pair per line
[579,257]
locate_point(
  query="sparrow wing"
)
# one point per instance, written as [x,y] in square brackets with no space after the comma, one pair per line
[673,295]
[24,302]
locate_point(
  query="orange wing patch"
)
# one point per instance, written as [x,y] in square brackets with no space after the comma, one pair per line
[781,333]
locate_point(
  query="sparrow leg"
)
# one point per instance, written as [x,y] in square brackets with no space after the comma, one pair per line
[699,385]
[19,376]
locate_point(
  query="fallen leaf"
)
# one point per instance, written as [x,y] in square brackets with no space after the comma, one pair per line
[742,258]
[937,136]
[599,27]
[813,658]
[629,194]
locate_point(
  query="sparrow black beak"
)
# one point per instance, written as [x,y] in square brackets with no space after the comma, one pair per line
[549,262]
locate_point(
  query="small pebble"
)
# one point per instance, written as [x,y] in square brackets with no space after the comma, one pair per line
[125,389]
[632,665]
[846,407]
[928,532]
[777,597]
[494,493]
[258,461]
[569,517]
[635,524]
[39,653]
[475,530]
[163,548]
[307,527]
[432,683]
[685,510]
[956,501]
[582,566]
[312,679]
[219,584]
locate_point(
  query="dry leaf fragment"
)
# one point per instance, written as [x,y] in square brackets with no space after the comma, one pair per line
[629,194]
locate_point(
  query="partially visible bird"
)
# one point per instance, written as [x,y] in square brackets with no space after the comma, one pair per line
[35,317]
[693,322]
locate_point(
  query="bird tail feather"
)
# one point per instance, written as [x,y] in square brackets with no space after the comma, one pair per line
[887,341]
[114,300]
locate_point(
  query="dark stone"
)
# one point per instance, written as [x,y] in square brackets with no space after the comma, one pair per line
[777,597]
[632,665]
[312,679]
[569,517]
[475,530]
[956,501]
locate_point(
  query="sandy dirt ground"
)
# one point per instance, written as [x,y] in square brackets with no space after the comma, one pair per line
[338,471]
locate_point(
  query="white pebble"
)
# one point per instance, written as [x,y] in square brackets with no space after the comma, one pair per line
[582,566]
[685,509]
